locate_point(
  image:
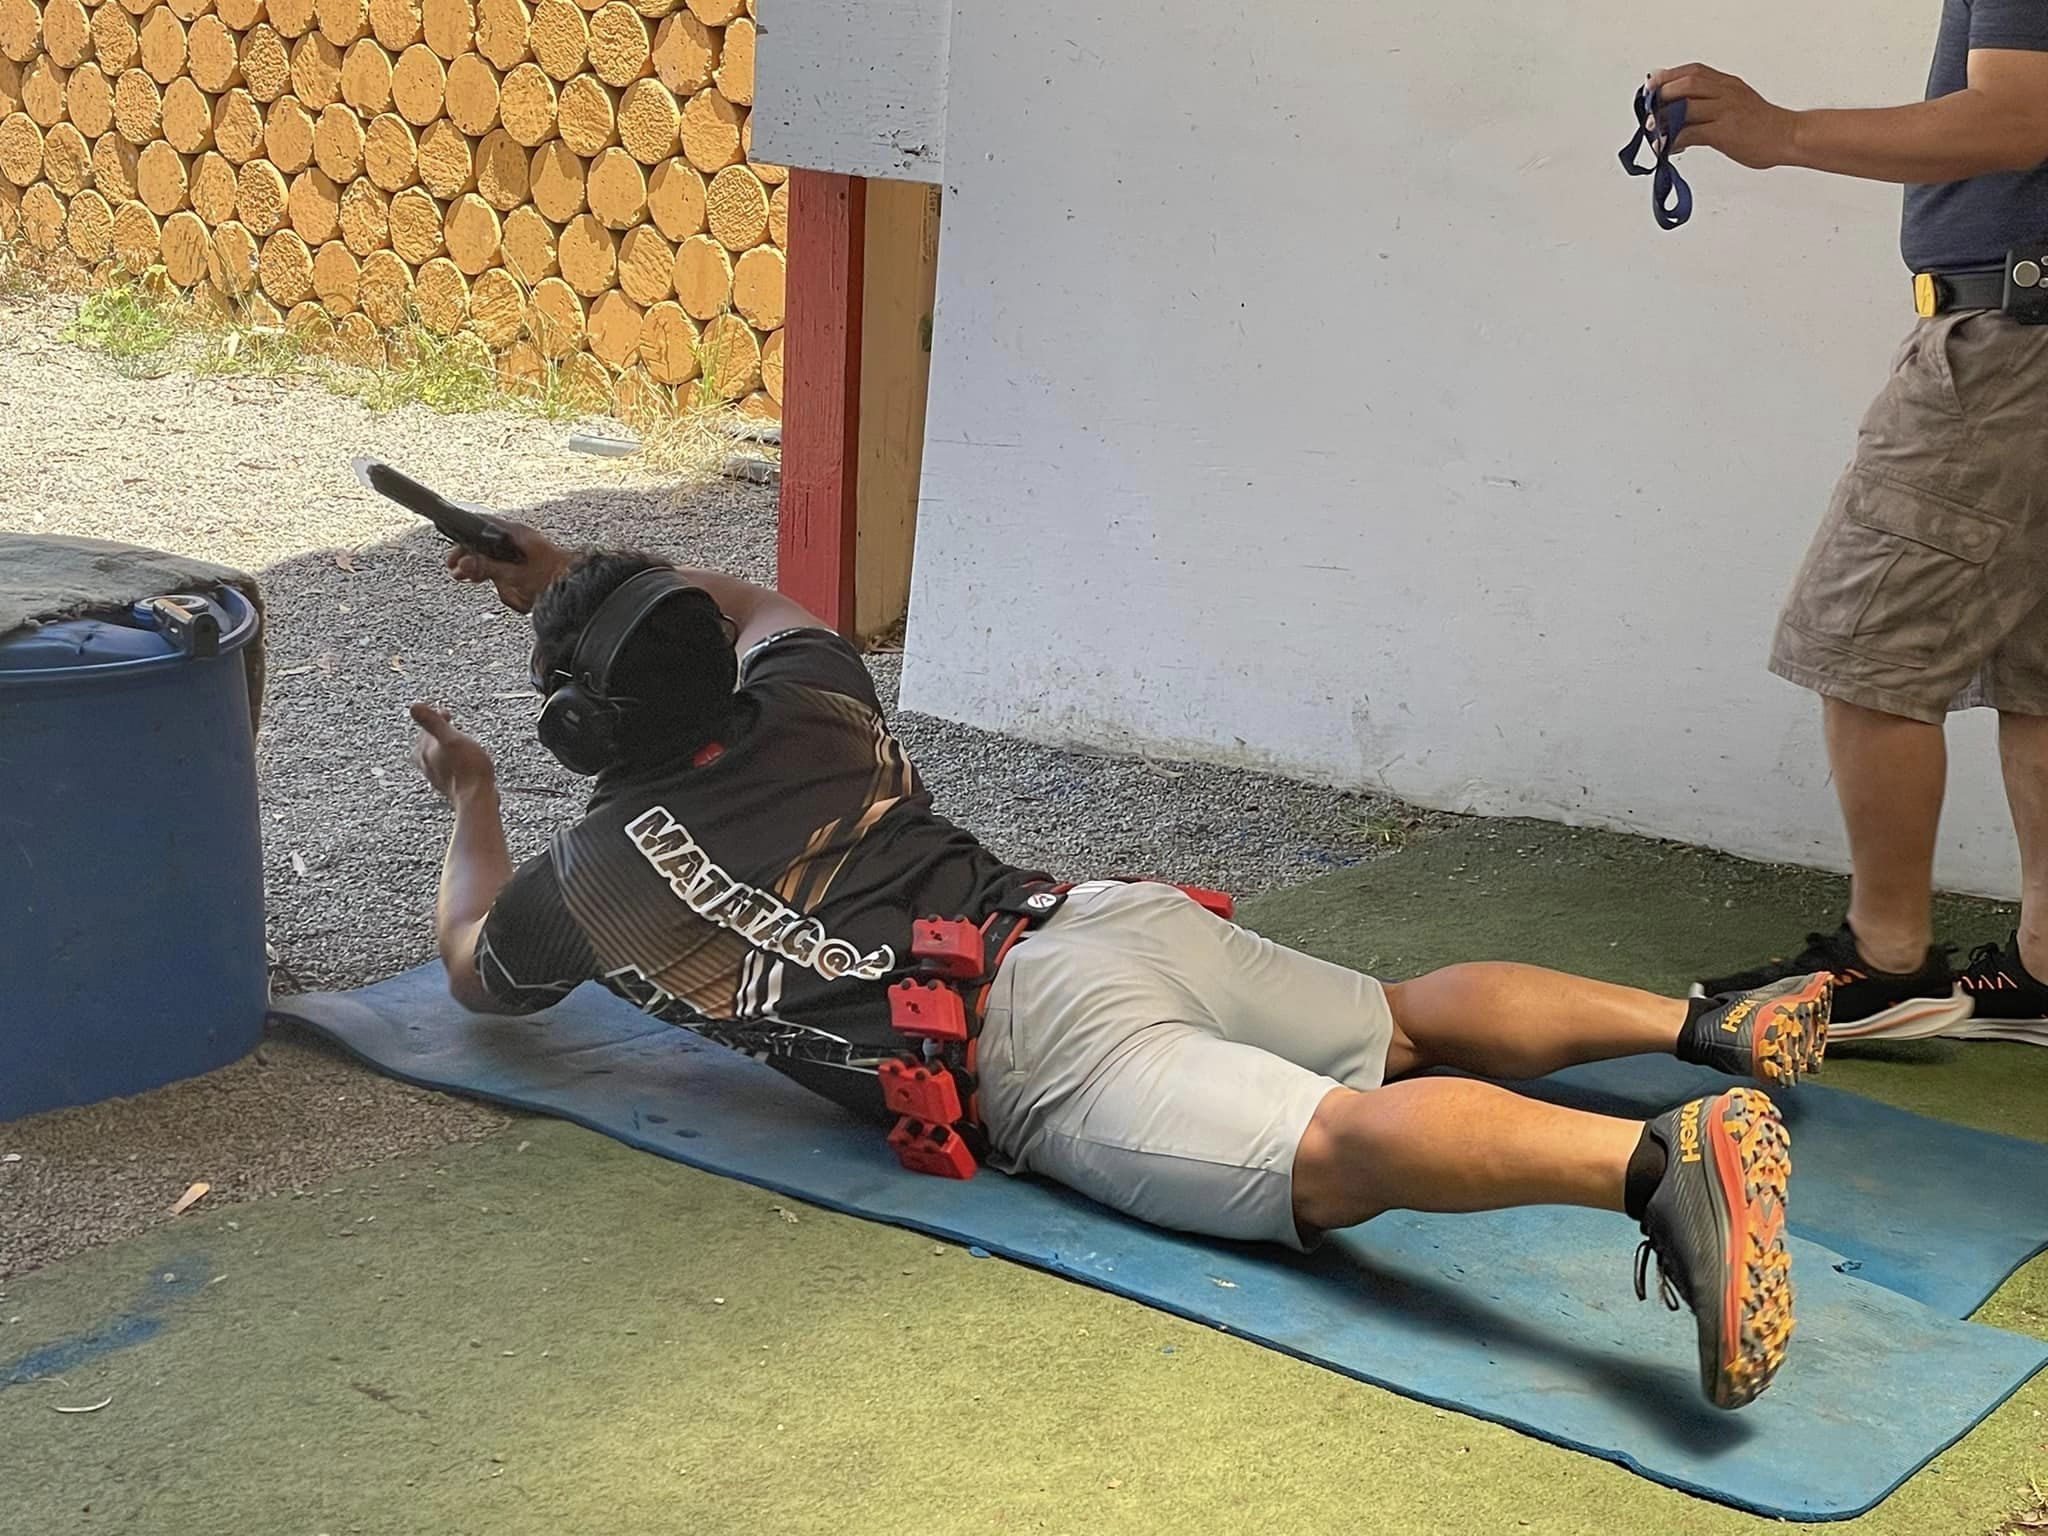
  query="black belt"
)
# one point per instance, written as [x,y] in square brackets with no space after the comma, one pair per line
[1937,293]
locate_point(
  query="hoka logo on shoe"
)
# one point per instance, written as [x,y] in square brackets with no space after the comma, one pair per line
[1731,1021]
[1689,1133]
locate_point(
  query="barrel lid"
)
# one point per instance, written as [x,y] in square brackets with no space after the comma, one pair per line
[114,637]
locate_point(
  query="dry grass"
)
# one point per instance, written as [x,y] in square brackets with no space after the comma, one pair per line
[2028,1521]
[148,330]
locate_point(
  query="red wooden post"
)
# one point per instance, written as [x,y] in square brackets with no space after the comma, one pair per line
[821,394]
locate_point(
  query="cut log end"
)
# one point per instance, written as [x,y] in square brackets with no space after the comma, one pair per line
[285,269]
[89,227]
[67,160]
[366,77]
[501,170]
[390,152]
[288,131]
[729,357]
[620,48]
[703,278]
[385,290]
[395,24]
[617,189]
[529,245]
[646,266]
[138,107]
[588,253]
[474,234]
[211,56]
[668,344]
[214,187]
[613,326]
[497,307]
[314,208]
[440,296]
[736,207]
[365,217]
[586,115]
[419,84]
[417,231]
[187,116]
[260,198]
[447,167]
[526,105]
[711,132]
[675,199]
[338,144]
[337,277]
[472,95]
[554,318]
[685,54]
[759,281]
[163,179]
[266,63]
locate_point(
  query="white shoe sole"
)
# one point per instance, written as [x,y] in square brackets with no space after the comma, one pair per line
[1919,1018]
[2020,1031]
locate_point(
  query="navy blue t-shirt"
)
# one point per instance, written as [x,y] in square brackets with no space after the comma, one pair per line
[1956,225]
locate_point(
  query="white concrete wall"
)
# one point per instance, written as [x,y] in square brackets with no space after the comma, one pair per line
[1311,389]
[856,87]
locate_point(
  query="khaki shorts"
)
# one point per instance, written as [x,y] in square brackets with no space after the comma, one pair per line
[1165,1062]
[1926,588]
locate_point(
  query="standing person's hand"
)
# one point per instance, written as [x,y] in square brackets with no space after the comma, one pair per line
[1724,113]
[452,761]
[519,586]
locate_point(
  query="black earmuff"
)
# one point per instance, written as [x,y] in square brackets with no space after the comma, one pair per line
[579,723]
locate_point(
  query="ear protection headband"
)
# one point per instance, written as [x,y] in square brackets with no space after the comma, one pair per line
[580,722]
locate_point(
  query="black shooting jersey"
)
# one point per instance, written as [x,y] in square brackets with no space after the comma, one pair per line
[762,895]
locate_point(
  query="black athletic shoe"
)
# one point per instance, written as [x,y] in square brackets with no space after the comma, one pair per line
[1716,1226]
[2011,1003]
[1869,1004]
[1775,1034]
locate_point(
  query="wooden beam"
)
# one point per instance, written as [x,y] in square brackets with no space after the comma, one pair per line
[818,545]
[896,366]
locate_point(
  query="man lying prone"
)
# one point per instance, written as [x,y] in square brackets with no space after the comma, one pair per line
[759,861]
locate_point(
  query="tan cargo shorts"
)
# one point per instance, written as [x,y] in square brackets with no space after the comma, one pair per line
[1165,1062]
[1926,588]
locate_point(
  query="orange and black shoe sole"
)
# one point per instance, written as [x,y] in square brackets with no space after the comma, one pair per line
[1790,1039]
[1752,1162]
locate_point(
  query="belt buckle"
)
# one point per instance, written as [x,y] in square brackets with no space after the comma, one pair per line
[1926,295]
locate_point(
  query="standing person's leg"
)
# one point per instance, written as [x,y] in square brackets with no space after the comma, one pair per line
[1923,568]
[2009,982]
[2023,754]
[1890,775]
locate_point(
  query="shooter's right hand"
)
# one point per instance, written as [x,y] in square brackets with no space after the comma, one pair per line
[519,586]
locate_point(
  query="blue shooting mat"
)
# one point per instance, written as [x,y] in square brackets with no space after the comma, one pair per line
[1527,1318]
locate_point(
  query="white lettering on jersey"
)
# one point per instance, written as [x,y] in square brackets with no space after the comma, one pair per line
[761,918]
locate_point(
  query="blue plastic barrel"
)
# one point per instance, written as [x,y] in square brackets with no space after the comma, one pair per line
[131,868]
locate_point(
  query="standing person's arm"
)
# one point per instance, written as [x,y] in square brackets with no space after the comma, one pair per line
[1999,122]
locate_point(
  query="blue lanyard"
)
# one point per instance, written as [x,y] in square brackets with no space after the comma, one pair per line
[1670,197]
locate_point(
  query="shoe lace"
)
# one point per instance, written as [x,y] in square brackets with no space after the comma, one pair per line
[1985,956]
[1665,1289]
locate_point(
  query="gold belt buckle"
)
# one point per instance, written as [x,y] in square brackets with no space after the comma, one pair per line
[1926,295]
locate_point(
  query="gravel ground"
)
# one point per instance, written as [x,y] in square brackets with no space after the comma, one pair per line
[362,622]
